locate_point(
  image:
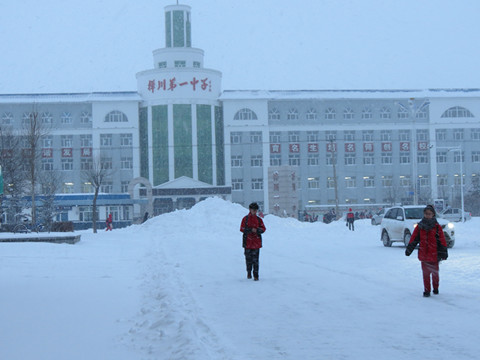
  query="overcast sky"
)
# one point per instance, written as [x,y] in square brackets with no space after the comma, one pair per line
[99,45]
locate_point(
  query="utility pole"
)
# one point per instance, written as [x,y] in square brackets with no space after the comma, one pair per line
[333,148]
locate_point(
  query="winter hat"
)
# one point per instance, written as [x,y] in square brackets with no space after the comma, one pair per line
[431,208]
[350,209]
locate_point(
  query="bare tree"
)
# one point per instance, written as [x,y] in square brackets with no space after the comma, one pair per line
[98,173]
[50,184]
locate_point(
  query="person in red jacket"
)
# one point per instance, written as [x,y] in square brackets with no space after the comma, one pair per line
[109,223]
[252,227]
[433,248]
[350,220]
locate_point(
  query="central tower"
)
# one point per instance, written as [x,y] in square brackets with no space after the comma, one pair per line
[180,119]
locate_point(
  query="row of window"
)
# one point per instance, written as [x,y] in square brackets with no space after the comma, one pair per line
[255,137]
[87,188]
[66,117]
[386,181]
[67,141]
[67,164]
[179,64]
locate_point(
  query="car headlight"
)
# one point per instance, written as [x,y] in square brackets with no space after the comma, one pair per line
[450,226]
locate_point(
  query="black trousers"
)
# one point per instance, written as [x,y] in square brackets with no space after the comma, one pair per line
[251,259]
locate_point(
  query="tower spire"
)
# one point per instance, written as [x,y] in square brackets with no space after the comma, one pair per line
[178,26]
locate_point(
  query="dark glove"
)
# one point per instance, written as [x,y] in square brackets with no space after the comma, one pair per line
[407,252]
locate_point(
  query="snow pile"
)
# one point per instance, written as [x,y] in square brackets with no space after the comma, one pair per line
[175,287]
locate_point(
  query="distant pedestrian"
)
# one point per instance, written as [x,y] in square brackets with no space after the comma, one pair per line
[252,227]
[109,223]
[432,249]
[145,217]
[350,219]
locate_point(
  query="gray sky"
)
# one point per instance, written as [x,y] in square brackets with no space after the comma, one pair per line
[99,45]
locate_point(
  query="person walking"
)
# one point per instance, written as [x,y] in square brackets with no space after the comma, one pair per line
[252,227]
[350,219]
[432,249]
[109,223]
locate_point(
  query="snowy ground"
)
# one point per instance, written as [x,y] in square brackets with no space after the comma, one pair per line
[175,288]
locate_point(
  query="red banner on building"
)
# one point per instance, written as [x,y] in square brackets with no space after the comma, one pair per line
[275,148]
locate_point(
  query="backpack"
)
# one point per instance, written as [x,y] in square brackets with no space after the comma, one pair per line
[247,230]
[442,252]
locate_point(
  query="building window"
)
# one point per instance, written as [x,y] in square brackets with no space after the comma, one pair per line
[441,134]
[475,156]
[126,140]
[402,113]
[85,118]
[116,116]
[106,140]
[387,180]
[274,114]
[66,118]
[162,64]
[349,135]
[313,183]
[196,64]
[385,113]
[422,113]
[350,182]
[237,161]
[422,135]
[311,114]
[106,187]
[46,118]
[457,112]
[107,163]
[47,164]
[86,188]
[26,118]
[67,141]
[124,186]
[257,184]
[368,159]
[367,135]
[442,180]
[67,164]
[294,136]
[236,137]
[458,134]
[313,159]
[458,157]
[85,140]
[329,159]
[312,136]
[180,63]
[85,213]
[422,157]
[367,113]
[276,160]
[424,180]
[237,184]
[348,114]
[256,161]
[67,188]
[330,135]
[330,114]
[349,159]
[294,159]
[245,114]
[386,135]
[126,163]
[369,181]
[330,183]
[47,142]
[86,164]
[387,158]
[404,180]
[475,134]
[292,114]
[275,137]
[441,156]
[7,118]
[256,137]
[405,157]
[404,135]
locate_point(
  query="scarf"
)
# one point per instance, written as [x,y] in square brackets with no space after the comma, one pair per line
[427,224]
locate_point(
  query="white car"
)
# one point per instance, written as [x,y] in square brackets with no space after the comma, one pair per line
[377,217]
[454,214]
[399,221]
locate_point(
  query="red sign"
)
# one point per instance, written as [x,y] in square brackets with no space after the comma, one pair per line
[172,84]
[331,147]
[7,153]
[86,152]
[422,146]
[313,148]
[367,147]
[275,148]
[349,147]
[26,153]
[404,146]
[294,148]
[47,153]
[67,152]
[387,146]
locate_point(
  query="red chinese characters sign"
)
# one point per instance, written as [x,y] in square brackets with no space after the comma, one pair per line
[86,152]
[349,147]
[47,153]
[331,147]
[173,84]
[367,147]
[387,147]
[404,146]
[67,152]
[422,146]
[312,148]
[275,148]
[294,148]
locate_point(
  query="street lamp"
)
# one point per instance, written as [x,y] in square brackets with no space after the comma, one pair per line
[414,110]
[459,149]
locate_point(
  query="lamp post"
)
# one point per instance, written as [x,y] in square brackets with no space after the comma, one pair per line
[413,111]
[459,149]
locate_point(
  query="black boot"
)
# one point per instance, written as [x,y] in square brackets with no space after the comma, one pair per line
[435,291]
[255,276]
[249,275]
[426,294]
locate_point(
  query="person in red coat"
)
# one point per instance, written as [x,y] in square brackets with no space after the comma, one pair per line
[350,219]
[433,248]
[109,223]
[252,227]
